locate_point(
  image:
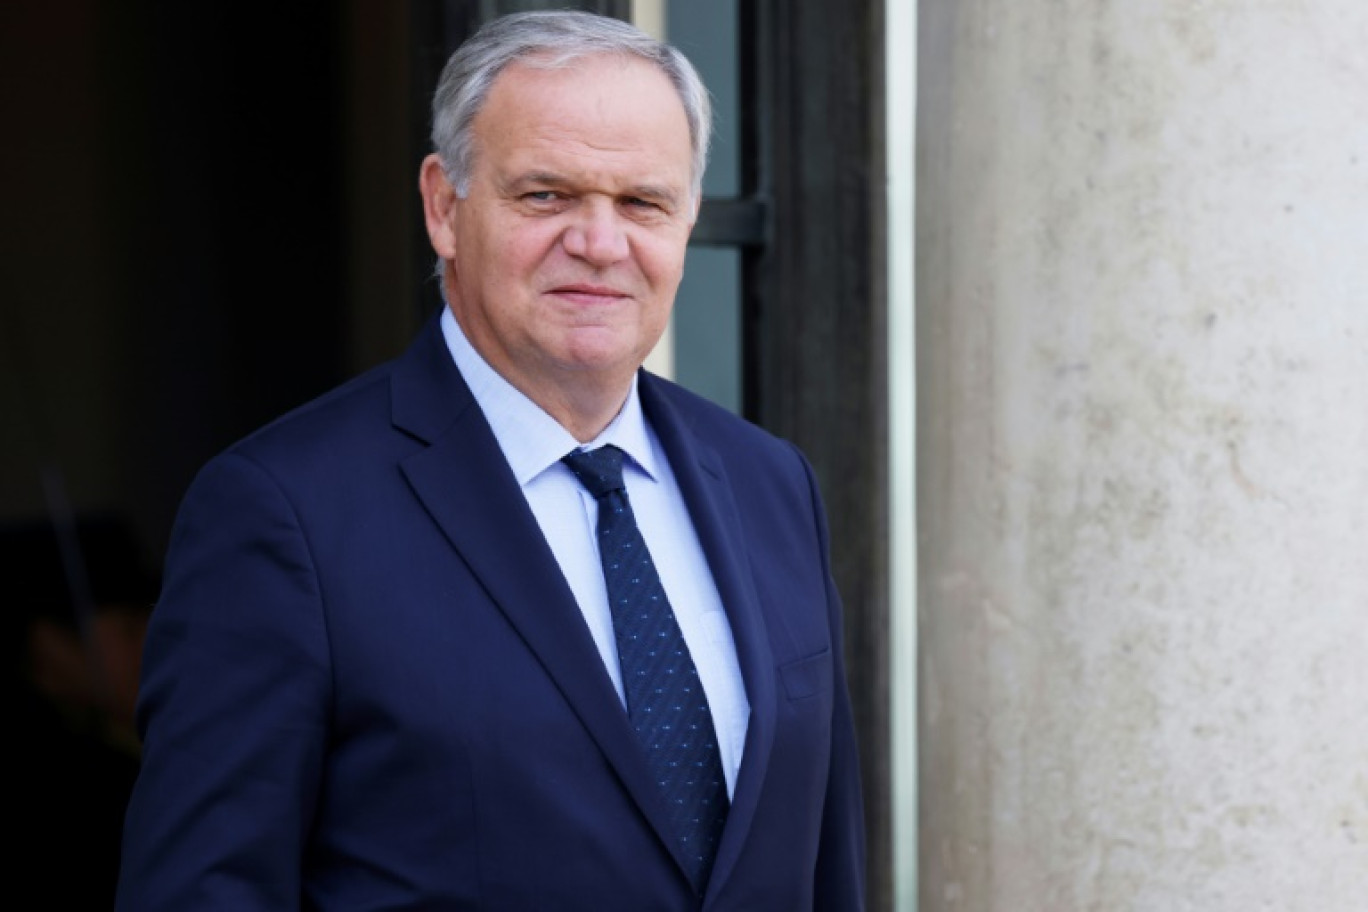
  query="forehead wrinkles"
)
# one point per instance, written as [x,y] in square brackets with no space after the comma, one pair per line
[591,121]
[594,151]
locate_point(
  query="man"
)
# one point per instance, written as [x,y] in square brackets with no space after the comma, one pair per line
[388,670]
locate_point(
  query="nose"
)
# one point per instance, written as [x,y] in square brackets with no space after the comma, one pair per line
[596,233]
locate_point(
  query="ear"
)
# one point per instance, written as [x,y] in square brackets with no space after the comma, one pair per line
[695,206]
[439,205]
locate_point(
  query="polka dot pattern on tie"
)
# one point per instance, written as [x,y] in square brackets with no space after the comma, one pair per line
[665,700]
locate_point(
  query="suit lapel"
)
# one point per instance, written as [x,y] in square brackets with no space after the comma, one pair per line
[463,479]
[712,506]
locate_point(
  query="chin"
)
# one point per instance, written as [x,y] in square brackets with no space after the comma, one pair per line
[600,346]
[613,365]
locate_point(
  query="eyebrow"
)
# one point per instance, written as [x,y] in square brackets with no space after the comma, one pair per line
[652,192]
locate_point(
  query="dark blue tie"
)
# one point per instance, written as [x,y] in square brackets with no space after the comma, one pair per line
[665,699]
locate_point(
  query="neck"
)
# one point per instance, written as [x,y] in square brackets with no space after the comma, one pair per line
[584,413]
[583,401]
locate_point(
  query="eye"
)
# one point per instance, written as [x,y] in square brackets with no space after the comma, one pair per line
[541,196]
[636,202]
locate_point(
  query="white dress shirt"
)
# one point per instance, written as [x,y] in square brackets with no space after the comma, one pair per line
[533,443]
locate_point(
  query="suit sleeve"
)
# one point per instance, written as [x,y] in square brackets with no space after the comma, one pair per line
[840,874]
[233,706]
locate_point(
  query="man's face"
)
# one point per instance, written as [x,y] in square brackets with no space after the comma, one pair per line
[568,249]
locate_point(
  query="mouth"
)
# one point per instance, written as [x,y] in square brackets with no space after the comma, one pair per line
[586,293]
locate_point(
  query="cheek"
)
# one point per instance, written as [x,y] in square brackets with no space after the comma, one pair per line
[663,264]
[502,248]
[524,255]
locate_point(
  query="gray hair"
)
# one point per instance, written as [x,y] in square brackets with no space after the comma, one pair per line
[551,39]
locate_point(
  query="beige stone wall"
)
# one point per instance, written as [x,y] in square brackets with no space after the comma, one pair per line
[1143,455]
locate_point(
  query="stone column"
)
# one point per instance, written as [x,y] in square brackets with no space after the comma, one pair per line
[1142,282]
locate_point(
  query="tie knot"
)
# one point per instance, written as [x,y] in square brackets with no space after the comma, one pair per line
[600,471]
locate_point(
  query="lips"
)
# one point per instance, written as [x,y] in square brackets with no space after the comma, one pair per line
[589,294]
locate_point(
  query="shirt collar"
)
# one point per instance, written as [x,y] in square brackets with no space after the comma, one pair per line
[532,441]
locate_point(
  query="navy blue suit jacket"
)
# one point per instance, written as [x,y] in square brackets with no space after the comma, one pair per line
[367,686]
